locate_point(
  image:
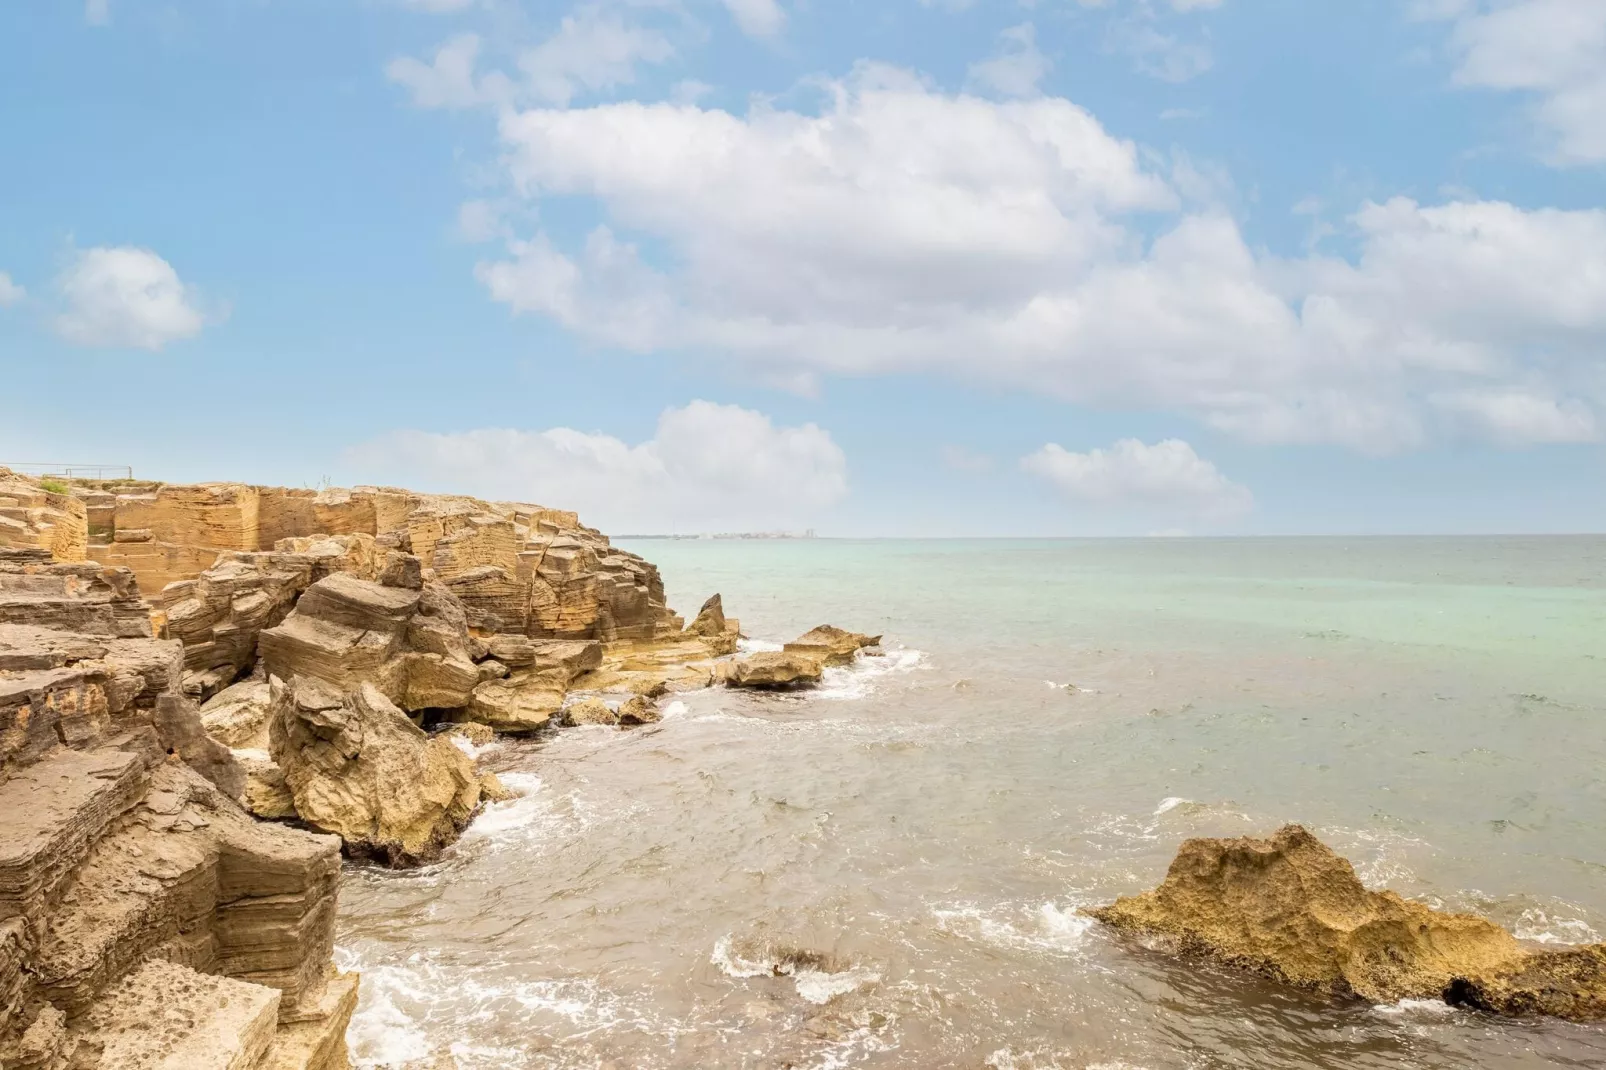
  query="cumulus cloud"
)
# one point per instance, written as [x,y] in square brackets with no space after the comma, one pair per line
[10,292]
[758,18]
[1016,68]
[1553,49]
[1167,476]
[126,297]
[708,467]
[98,12]
[901,229]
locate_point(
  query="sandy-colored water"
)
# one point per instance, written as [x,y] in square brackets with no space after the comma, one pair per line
[886,873]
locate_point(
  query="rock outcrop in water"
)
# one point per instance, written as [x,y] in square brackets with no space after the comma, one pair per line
[145,919]
[1291,909]
[800,663]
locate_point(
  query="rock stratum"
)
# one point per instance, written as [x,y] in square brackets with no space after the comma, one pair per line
[1290,909]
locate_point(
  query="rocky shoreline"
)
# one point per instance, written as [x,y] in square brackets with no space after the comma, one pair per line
[209,693]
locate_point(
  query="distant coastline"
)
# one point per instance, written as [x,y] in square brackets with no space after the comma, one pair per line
[809,534]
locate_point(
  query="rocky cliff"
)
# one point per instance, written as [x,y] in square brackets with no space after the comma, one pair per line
[145,919]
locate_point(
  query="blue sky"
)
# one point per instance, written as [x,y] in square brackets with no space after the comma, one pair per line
[946,268]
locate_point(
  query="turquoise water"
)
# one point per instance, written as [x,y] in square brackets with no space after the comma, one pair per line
[1052,719]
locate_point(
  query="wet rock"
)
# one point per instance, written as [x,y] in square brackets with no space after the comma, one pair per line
[473,732]
[590,711]
[358,768]
[492,790]
[832,645]
[774,671]
[638,711]
[520,704]
[1291,909]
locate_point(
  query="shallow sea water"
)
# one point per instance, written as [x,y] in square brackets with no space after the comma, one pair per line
[887,872]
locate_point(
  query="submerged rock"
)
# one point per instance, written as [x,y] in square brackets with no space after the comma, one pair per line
[357,767]
[1291,909]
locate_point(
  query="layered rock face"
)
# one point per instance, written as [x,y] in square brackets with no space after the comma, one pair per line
[518,568]
[33,516]
[1291,909]
[145,919]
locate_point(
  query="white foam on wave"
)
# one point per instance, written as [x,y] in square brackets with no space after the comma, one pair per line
[814,986]
[857,680]
[381,1033]
[758,646]
[1416,1009]
[676,708]
[1540,927]
[1040,927]
[1169,804]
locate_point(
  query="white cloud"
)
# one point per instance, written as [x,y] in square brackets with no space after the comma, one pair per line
[10,292]
[1159,54]
[98,12]
[1016,68]
[1554,49]
[126,297]
[1517,418]
[480,221]
[1167,476]
[592,50]
[904,230]
[438,7]
[758,18]
[708,468]
[448,81]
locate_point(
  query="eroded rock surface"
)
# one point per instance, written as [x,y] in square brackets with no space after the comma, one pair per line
[357,767]
[775,671]
[1291,909]
[832,645]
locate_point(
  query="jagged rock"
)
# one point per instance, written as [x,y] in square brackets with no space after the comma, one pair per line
[357,767]
[178,726]
[590,711]
[832,645]
[719,634]
[473,733]
[638,711]
[403,570]
[652,668]
[523,703]
[1292,910]
[774,671]
[413,645]
[237,716]
[219,614]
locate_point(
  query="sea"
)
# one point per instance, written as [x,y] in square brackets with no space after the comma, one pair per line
[890,871]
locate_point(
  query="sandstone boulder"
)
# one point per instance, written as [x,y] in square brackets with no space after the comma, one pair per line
[519,704]
[638,710]
[832,645]
[1291,909]
[358,768]
[774,671]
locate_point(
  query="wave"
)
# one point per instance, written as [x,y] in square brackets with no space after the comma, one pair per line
[855,681]
[817,977]
[1022,927]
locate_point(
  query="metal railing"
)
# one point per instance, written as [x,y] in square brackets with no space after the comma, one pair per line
[71,471]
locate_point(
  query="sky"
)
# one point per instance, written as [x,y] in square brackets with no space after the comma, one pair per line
[897,268]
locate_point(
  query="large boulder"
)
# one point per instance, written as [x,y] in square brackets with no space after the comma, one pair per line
[832,645]
[1291,909]
[357,767]
[531,693]
[774,671]
[237,716]
[413,645]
